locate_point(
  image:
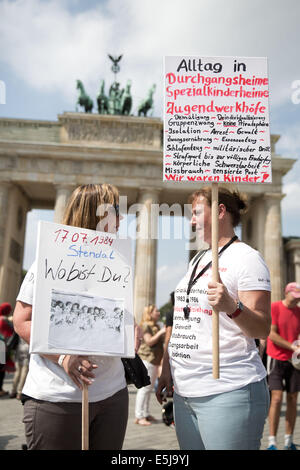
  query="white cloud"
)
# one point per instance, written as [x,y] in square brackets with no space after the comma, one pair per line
[172,273]
[289,147]
[291,202]
[289,143]
[290,205]
[49,46]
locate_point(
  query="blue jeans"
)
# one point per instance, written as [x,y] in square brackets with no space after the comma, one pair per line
[226,421]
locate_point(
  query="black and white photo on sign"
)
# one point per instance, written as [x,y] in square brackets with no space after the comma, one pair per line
[85,322]
[83,302]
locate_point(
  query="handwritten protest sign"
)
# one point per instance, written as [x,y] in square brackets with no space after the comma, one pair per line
[216,120]
[216,129]
[83,293]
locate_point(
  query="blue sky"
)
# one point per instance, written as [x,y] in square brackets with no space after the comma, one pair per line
[47,44]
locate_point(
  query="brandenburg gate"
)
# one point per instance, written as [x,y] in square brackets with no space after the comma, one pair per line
[41,162]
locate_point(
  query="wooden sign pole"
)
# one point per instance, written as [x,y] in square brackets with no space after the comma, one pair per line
[215,274]
[85,418]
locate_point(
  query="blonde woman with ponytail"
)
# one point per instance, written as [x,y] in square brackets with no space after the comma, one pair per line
[151,352]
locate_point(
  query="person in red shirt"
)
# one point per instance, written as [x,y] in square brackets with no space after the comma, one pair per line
[282,344]
[6,330]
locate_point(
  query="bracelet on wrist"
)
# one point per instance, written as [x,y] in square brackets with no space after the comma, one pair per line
[237,312]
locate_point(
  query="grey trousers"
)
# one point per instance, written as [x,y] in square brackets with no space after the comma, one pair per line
[57,426]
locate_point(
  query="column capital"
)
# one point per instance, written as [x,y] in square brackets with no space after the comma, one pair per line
[292,244]
[6,184]
[273,196]
[293,248]
[64,187]
[148,192]
[5,190]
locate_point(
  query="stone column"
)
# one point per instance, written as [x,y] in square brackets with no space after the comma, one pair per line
[5,188]
[273,250]
[63,193]
[13,206]
[292,255]
[5,191]
[253,223]
[297,266]
[145,254]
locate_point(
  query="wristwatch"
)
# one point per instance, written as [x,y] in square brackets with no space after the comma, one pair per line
[238,311]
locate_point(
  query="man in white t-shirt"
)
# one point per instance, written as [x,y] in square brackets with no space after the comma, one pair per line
[227,413]
[191,342]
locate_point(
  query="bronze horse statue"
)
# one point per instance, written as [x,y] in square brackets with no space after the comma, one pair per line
[147,104]
[126,100]
[83,99]
[102,100]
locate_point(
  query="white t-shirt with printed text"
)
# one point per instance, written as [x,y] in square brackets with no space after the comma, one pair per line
[48,381]
[241,268]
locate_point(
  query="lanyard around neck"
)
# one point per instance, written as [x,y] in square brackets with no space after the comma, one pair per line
[193,279]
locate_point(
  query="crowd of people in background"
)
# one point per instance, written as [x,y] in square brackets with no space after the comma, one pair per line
[151,352]
[276,353]
[259,354]
[283,374]
[17,354]
[283,364]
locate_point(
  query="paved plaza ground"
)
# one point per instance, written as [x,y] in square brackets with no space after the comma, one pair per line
[155,437]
